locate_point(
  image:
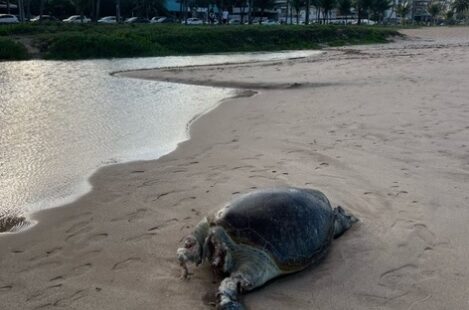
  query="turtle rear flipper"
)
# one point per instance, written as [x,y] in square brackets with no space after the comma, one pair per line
[343,221]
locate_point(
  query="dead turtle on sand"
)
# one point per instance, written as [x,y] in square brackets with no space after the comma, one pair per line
[262,235]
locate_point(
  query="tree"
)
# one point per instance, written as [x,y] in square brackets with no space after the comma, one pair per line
[264,5]
[242,4]
[317,6]
[460,6]
[361,7]
[297,5]
[344,7]
[80,6]
[402,10]
[449,14]
[378,7]
[41,8]
[434,9]
[327,6]
[307,8]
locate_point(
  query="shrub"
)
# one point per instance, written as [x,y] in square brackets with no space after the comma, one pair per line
[82,46]
[11,50]
[68,41]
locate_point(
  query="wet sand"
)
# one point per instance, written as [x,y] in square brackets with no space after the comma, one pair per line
[382,130]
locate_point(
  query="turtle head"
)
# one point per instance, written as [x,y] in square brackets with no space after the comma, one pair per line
[192,249]
[191,252]
[343,221]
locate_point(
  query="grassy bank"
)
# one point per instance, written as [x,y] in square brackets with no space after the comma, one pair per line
[57,41]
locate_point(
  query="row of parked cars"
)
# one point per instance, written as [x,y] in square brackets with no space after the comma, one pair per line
[13,19]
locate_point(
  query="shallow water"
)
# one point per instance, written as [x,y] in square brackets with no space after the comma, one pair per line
[60,121]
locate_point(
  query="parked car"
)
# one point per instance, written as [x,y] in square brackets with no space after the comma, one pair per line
[136,20]
[156,19]
[44,18]
[162,20]
[107,20]
[193,21]
[76,19]
[8,19]
[363,22]
[270,22]
[168,20]
[235,22]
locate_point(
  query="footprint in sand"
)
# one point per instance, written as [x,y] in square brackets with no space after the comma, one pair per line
[141,237]
[126,263]
[78,229]
[41,294]
[97,237]
[80,270]
[5,288]
[68,301]
[132,216]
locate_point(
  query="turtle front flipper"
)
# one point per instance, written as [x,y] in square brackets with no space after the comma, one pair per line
[254,270]
[229,290]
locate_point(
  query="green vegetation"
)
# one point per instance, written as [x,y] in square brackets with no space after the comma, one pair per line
[105,41]
[11,50]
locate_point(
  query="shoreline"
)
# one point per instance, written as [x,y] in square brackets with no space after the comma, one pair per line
[371,145]
[27,221]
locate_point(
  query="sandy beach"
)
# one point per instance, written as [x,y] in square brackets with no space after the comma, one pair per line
[382,130]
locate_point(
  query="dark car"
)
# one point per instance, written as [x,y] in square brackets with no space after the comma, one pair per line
[137,20]
[44,18]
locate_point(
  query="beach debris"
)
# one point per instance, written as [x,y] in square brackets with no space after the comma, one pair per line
[9,223]
[262,235]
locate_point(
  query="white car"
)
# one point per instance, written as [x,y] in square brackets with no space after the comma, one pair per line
[8,19]
[363,22]
[108,20]
[193,21]
[270,22]
[157,19]
[76,19]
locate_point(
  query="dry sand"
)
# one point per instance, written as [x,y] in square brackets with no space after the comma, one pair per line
[382,130]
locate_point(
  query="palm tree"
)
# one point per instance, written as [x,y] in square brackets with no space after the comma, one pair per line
[98,9]
[449,14]
[361,7]
[80,6]
[297,5]
[460,6]
[307,6]
[317,6]
[402,10]
[41,8]
[264,5]
[327,6]
[118,11]
[251,5]
[434,9]
[241,4]
[344,7]
[378,7]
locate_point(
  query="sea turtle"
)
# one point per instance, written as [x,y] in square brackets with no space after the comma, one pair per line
[262,235]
